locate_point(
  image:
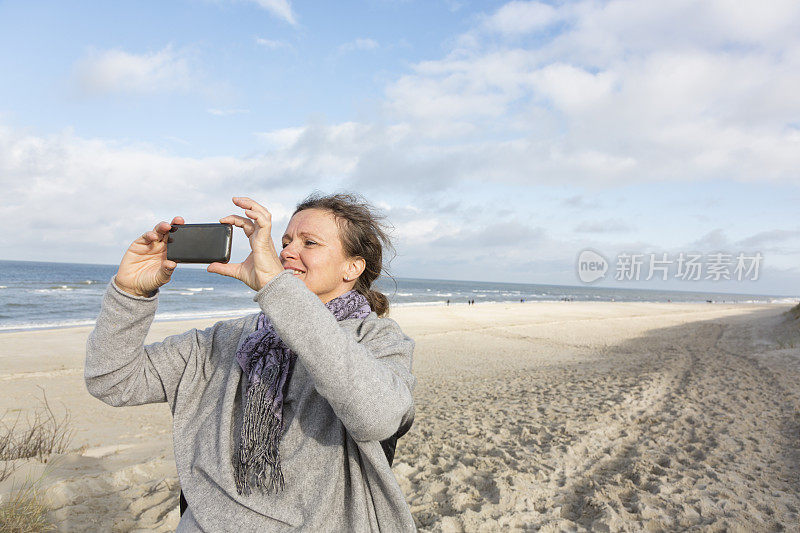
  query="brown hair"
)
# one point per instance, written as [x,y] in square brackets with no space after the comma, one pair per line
[362,233]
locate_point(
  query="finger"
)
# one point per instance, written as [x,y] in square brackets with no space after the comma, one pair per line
[241,222]
[151,236]
[169,265]
[162,229]
[254,210]
[226,269]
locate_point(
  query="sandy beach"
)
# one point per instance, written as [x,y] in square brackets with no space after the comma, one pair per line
[563,416]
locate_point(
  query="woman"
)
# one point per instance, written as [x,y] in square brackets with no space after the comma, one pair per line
[278,417]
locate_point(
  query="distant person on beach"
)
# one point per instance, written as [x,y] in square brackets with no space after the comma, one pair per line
[285,419]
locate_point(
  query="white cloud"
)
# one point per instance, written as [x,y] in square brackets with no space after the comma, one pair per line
[281,9]
[97,196]
[521,17]
[570,88]
[117,71]
[626,92]
[271,44]
[280,139]
[611,225]
[762,238]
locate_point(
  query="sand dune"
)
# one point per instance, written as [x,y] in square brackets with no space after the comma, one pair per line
[550,416]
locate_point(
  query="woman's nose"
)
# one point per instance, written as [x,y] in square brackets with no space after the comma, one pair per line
[287,252]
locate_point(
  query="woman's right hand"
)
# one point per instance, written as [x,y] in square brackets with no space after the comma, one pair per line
[145,267]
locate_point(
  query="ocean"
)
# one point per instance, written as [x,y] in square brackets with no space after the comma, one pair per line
[35,295]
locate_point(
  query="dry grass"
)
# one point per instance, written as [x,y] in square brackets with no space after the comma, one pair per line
[25,511]
[37,435]
[795,311]
[41,435]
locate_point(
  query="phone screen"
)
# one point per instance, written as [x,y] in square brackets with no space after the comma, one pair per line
[200,243]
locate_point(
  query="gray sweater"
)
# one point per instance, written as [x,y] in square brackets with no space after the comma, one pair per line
[351,388]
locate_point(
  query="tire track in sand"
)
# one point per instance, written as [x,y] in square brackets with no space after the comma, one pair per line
[711,449]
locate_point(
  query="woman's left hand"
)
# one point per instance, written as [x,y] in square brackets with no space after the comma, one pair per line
[263,263]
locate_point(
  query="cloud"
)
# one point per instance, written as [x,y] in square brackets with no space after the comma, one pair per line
[521,17]
[272,44]
[117,71]
[611,225]
[764,237]
[579,202]
[496,235]
[618,92]
[361,43]
[281,9]
[714,240]
[98,195]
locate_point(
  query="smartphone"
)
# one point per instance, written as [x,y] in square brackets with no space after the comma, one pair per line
[200,243]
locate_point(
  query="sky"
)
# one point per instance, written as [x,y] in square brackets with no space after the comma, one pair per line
[499,139]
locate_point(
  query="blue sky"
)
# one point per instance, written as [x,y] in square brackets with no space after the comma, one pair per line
[500,138]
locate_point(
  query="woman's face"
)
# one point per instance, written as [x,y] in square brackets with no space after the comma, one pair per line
[313,249]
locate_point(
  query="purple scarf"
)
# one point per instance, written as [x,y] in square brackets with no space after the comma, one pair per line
[268,363]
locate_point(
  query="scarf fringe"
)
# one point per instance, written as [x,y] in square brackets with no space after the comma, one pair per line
[261,432]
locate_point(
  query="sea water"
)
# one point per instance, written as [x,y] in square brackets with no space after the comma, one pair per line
[37,295]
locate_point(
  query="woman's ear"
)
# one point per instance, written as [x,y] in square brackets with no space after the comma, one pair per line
[354,268]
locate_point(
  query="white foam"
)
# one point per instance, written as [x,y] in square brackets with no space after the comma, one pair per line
[60,288]
[191,315]
[160,317]
[784,300]
[420,304]
[46,325]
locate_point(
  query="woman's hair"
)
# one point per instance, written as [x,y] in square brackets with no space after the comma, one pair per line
[362,233]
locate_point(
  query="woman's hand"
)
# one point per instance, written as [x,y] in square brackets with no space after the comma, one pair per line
[145,267]
[263,263]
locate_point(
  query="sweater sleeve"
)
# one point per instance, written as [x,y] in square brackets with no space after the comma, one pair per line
[120,370]
[369,384]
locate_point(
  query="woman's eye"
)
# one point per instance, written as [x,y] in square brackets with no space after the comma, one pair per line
[308,242]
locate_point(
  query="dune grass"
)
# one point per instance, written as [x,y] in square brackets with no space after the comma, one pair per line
[24,511]
[42,434]
[37,435]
